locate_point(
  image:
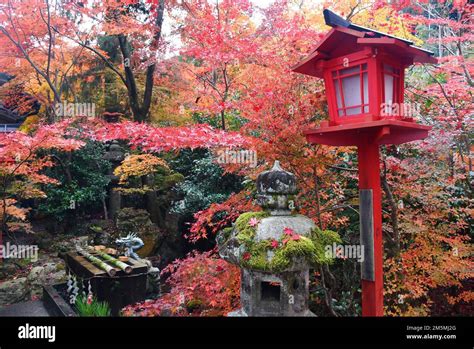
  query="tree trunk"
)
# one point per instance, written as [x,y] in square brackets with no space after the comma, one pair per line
[223,119]
[115,202]
[393,216]
[324,269]
[141,110]
[152,204]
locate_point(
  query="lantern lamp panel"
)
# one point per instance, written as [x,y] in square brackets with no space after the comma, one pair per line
[352,92]
[391,88]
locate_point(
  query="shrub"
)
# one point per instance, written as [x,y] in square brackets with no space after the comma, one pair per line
[83,182]
[201,285]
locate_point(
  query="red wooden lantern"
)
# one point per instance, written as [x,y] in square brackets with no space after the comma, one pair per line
[363,72]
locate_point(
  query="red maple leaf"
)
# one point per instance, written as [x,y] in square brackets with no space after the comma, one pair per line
[274,243]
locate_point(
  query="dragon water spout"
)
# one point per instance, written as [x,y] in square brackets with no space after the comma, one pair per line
[131,242]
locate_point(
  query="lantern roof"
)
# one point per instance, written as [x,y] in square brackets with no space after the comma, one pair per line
[345,38]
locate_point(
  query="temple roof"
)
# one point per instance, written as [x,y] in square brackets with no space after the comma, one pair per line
[346,37]
[4,78]
[11,116]
[8,116]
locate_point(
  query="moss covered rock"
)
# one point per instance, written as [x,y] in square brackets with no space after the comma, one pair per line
[132,220]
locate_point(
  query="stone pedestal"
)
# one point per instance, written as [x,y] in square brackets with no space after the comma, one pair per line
[115,155]
[115,202]
[267,294]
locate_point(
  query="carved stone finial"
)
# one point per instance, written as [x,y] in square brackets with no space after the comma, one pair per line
[275,188]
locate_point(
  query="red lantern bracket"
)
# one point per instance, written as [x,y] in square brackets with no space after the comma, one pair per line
[386,131]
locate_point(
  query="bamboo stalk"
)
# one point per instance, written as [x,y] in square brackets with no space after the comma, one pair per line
[115,262]
[94,260]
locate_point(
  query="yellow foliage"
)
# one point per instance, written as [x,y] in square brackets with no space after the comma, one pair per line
[361,12]
[138,166]
[386,20]
[11,210]
[30,124]
[134,191]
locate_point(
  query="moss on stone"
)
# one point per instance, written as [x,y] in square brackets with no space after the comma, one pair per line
[60,266]
[258,252]
[303,248]
[193,304]
[261,255]
[96,228]
[245,232]
[284,255]
[226,232]
[171,180]
[326,237]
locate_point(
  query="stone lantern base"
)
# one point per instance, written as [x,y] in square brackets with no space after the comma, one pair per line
[267,294]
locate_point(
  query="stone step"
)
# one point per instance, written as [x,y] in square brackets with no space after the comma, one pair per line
[29,309]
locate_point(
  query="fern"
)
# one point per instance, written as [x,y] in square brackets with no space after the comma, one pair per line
[94,308]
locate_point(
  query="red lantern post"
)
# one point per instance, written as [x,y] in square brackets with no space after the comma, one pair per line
[363,72]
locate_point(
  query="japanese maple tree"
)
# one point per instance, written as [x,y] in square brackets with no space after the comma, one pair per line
[20,169]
